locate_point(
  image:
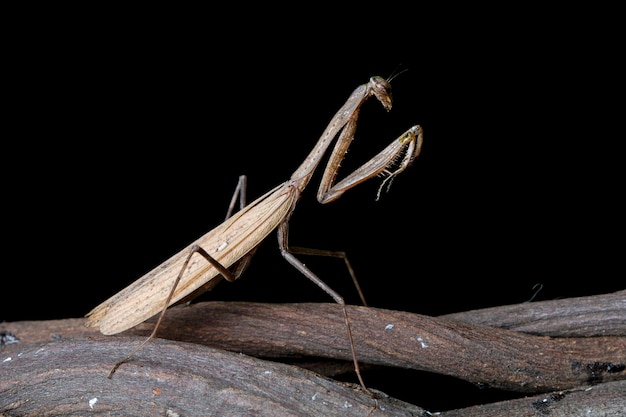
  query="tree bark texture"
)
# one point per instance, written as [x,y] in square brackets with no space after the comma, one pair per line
[564,357]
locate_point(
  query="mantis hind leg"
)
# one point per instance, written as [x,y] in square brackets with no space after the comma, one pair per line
[296,250]
[237,268]
[288,254]
[228,274]
[242,264]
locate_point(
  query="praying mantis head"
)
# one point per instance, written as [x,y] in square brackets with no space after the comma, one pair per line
[381,89]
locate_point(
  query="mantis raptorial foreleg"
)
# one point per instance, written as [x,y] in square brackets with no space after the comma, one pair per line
[225,251]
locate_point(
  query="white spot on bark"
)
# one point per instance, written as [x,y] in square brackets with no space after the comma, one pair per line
[424,345]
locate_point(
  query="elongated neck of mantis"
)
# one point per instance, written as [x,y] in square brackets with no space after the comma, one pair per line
[349,110]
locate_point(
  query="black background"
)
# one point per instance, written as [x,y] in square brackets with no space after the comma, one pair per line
[126,139]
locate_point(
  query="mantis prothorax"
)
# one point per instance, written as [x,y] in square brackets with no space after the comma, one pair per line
[226,250]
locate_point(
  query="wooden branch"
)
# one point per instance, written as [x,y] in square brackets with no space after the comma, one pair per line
[604,400]
[515,361]
[69,378]
[484,355]
[599,315]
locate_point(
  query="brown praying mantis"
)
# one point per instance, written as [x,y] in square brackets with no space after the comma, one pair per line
[225,251]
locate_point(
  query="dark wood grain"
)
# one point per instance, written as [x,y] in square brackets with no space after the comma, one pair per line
[553,373]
